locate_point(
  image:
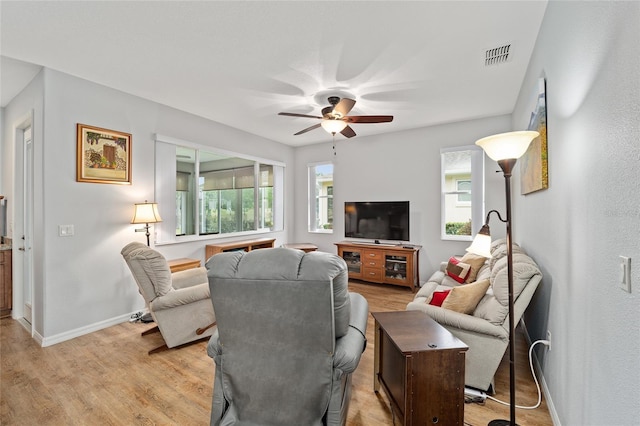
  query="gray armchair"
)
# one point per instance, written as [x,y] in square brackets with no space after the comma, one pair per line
[178,302]
[289,336]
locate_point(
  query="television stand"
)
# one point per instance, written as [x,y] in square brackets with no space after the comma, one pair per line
[395,264]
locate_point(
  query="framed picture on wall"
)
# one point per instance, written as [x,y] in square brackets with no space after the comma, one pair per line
[534,170]
[103,155]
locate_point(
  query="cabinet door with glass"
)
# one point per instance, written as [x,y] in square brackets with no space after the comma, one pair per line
[353,258]
[396,266]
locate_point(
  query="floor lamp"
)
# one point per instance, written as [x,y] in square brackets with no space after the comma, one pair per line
[505,149]
[146,213]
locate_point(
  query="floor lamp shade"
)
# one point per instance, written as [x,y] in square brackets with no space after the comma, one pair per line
[507,145]
[146,213]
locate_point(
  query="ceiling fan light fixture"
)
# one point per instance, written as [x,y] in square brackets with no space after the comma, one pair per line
[333,126]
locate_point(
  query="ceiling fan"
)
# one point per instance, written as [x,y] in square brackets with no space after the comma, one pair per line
[335,119]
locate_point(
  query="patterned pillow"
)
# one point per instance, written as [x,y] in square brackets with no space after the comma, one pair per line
[438,297]
[457,270]
[476,263]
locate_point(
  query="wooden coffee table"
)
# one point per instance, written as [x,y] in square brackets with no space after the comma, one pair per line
[420,366]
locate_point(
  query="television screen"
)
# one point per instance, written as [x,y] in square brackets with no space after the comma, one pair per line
[377,220]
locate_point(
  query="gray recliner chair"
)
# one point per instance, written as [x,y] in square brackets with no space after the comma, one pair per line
[178,302]
[289,336]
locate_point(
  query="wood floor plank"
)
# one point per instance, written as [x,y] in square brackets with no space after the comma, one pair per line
[107,378]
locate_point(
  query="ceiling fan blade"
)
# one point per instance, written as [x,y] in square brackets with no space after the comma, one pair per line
[368,118]
[343,107]
[348,132]
[291,114]
[308,129]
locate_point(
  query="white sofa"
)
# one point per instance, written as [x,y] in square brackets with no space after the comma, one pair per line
[486,330]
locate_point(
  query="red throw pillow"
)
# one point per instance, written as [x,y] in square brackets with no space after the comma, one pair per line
[458,270]
[438,297]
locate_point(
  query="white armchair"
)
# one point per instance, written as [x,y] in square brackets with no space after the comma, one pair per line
[179,302]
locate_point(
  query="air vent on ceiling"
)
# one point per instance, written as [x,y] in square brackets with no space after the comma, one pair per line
[497,55]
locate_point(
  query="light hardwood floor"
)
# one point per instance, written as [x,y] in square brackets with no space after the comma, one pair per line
[107,378]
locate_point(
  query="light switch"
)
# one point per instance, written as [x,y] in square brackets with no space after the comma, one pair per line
[625,273]
[65,230]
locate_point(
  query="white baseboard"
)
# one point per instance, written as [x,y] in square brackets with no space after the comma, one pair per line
[68,335]
[543,383]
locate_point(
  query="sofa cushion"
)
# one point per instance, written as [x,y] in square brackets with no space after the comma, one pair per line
[465,298]
[457,270]
[491,310]
[494,306]
[476,263]
[500,251]
[426,291]
[484,273]
[523,269]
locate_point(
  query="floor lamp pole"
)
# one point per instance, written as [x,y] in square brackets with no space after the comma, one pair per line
[507,167]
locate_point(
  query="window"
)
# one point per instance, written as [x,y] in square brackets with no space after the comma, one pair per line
[462,192]
[321,197]
[204,193]
[463,186]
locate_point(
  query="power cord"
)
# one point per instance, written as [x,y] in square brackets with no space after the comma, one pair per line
[545,342]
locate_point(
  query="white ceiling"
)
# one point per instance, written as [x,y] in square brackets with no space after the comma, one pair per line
[240,63]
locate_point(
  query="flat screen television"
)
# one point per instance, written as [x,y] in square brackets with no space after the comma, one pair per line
[377,220]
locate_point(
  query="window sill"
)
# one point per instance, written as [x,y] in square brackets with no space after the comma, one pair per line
[213,237]
[456,238]
[321,231]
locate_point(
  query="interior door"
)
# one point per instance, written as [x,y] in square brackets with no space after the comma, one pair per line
[27,212]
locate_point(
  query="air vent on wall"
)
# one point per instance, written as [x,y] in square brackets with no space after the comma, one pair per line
[497,55]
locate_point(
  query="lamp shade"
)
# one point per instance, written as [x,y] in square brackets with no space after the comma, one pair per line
[146,213]
[333,126]
[481,244]
[510,145]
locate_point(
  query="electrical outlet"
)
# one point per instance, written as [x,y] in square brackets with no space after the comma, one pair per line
[549,340]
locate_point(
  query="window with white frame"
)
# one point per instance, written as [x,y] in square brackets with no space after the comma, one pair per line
[462,185]
[202,192]
[321,197]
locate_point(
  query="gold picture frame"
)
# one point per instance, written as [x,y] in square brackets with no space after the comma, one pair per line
[534,167]
[103,155]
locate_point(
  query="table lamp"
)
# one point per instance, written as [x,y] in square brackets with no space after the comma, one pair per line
[146,213]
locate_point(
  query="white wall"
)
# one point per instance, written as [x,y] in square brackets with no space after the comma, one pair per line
[398,166]
[82,281]
[590,54]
